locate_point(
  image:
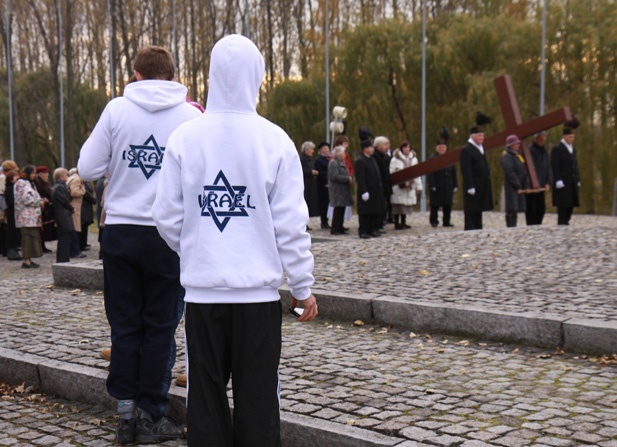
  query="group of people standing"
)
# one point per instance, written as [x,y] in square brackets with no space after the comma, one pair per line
[520,196]
[33,212]
[328,182]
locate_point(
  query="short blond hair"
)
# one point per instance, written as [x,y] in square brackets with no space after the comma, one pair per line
[58,172]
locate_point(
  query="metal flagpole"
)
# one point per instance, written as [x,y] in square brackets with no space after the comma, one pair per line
[10,77]
[112,71]
[543,75]
[60,73]
[175,38]
[423,199]
[327,74]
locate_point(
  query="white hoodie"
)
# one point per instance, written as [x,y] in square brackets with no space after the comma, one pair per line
[230,198]
[129,142]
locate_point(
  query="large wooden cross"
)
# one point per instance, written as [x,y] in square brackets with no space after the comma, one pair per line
[514,125]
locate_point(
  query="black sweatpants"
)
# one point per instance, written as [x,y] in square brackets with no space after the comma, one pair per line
[241,341]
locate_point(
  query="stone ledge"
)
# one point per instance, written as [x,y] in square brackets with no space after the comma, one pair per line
[590,336]
[79,275]
[85,384]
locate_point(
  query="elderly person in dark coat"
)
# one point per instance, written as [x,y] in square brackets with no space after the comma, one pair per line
[515,179]
[339,189]
[310,178]
[63,212]
[566,176]
[369,192]
[321,166]
[442,185]
[48,231]
[477,190]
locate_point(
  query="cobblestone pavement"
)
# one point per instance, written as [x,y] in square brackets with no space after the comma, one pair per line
[570,271]
[28,418]
[429,390]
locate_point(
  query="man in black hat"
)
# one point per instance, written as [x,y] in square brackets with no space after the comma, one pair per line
[442,185]
[477,191]
[321,166]
[369,192]
[566,176]
[536,201]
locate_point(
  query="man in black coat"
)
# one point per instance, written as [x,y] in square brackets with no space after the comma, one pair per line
[369,192]
[63,213]
[477,191]
[536,201]
[566,176]
[321,166]
[382,157]
[442,186]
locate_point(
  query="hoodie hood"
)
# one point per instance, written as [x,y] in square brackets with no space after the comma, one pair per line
[236,72]
[168,94]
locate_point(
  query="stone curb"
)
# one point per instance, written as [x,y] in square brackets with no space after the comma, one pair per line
[536,329]
[87,385]
[530,328]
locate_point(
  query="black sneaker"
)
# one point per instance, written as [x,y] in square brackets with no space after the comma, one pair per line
[162,430]
[125,431]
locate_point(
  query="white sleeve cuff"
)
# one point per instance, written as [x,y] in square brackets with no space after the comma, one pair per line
[301,294]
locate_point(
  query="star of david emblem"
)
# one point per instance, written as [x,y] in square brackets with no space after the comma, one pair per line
[147,157]
[222,201]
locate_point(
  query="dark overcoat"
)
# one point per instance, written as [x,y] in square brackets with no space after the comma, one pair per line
[514,178]
[476,174]
[310,185]
[321,166]
[339,185]
[565,168]
[542,164]
[63,210]
[383,161]
[441,185]
[368,179]
[87,210]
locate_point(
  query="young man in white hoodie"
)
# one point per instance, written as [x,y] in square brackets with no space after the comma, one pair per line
[142,287]
[230,202]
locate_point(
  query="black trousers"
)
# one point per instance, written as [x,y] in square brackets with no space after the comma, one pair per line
[536,208]
[434,216]
[511,218]
[338,216]
[83,235]
[473,221]
[564,214]
[241,341]
[369,223]
[142,291]
[63,252]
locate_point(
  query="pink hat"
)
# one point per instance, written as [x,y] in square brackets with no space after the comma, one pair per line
[512,140]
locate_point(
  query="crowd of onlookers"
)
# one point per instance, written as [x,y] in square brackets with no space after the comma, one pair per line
[35,209]
[328,181]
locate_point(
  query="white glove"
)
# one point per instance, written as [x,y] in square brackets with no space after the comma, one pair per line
[455,189]
[365,196]
[559,184]
[579,184]
[433,189]
[471,192]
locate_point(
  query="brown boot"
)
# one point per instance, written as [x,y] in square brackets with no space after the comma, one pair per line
[181,380]
[106,354]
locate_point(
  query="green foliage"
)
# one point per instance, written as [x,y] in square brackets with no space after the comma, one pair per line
[37,119]
[376,74]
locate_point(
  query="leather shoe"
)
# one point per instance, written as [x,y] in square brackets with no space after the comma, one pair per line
[325,226]
[448,225]
[365,236]
[375,234]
